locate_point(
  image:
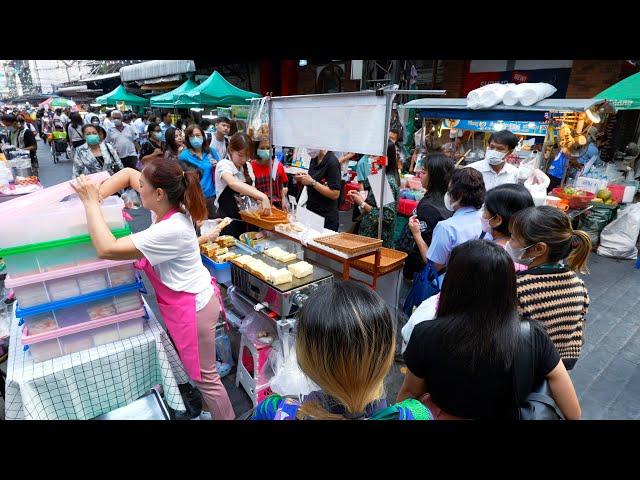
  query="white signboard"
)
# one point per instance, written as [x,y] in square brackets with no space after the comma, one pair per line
[343,122]
[374,181]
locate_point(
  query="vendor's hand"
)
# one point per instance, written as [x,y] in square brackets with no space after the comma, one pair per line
[414,225]
[265,207]
[88,191]
[304,179]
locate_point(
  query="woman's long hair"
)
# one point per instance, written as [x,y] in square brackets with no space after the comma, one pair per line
[182,188]
[439,168]
[550,225]
[345,343]
[392,163]
[478,309]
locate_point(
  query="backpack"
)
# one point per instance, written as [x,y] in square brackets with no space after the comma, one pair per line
[276,407]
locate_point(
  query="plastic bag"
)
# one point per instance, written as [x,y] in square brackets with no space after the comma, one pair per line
[258,120]
[258,328]
[288,378]
[527,166]
[594,221]
[619,238]
[537,183]
[247,203]
[223,349]
[131,199]
[426,311]
[425,285]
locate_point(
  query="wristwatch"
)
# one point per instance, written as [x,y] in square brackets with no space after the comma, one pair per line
[313,184]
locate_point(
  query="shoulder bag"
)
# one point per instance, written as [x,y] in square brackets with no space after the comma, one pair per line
[532,403]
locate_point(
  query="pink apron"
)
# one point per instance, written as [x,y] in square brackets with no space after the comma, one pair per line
[178,311]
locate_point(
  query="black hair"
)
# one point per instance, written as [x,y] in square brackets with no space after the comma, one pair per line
[58,111]
[504,137]
[88,125]
[478,306]
[163,115]
[394,130]
[439,167]
[204,124]
[101,131]
[222,120]
[9,118]
[467,187]
[151,127]
[392,163]
[170,140]
[506,200]
[76,119]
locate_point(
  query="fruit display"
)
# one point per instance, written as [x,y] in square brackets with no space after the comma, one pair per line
[604,194]
[577,199]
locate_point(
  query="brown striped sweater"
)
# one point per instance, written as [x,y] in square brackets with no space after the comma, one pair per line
[558,299]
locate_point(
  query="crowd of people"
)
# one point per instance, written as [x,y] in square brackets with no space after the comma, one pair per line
[500,263]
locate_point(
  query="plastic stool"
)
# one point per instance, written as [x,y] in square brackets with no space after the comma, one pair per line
[254,382]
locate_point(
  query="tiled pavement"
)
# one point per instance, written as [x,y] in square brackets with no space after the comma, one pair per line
[607,376]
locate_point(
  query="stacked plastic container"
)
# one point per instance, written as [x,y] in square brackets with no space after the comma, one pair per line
[68,299]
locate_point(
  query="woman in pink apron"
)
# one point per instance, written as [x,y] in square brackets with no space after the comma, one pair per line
[168,252]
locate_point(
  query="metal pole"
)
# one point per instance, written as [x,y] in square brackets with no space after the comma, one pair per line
[271,157]
[390,94]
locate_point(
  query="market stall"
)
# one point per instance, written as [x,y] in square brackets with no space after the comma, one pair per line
[119,95]
[16,175]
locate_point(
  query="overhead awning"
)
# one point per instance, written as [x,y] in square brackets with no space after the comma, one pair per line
[215,91]
[168,99]
[548,105]
[120,94]
[624,95]
[156,69]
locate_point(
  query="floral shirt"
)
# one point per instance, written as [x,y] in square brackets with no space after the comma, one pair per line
[369,222]
[84,162]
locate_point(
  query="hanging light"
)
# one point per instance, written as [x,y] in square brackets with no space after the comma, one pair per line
[197,109]
[593,116]
[302,63]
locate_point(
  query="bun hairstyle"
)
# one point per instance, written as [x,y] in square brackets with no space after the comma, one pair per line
[182,188]
[241,142]
[549,225]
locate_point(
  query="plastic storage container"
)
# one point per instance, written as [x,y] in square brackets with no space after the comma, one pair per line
[56,221]
[84,308]
[50,256]
[65,283]
[222,271]
[45,341]
[617,192]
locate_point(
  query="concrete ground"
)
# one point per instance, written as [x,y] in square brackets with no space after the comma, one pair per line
[607,376]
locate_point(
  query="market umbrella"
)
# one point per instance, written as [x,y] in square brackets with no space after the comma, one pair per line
[624,95]
[215,91]
[167,100]
[120,94]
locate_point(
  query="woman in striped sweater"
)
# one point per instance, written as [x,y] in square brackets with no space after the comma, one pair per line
[549,290]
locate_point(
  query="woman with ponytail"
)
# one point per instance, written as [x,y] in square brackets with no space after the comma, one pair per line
[550,291]
[188,298]
[234,177]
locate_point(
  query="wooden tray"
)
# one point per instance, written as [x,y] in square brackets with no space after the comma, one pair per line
[268,223]
[389,260]
[349,243]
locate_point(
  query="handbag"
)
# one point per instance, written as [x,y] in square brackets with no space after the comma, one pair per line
[532,403]
[425,285]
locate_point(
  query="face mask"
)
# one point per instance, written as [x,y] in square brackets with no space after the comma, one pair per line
[516,254]
[494,157]
[264,154]
[447,203]
[117,123]
[486,226]
[196,142]
[313,153]
[92,139]
[157,136]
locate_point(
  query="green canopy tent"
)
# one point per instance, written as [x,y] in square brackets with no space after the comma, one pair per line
[168,99]
[624,95]
[215,91]
[121,95]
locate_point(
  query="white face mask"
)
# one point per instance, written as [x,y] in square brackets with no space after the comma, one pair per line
[516,254]
[486,226]
[447,203]
[494,157]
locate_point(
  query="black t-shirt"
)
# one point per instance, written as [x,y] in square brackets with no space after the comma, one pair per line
[328,173]
[430,211]
[487,393]
[29,141]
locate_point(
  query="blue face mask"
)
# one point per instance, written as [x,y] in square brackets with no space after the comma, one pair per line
[92,139]
[264,154]
[157,136]
[196,142]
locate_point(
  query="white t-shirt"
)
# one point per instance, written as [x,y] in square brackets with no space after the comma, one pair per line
[171,247]
[219,146]
[508,174]
[226,165]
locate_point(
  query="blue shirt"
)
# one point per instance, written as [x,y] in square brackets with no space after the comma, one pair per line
[558,165]
[363,168]
[463,226]
[205,167]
